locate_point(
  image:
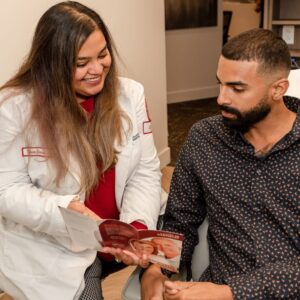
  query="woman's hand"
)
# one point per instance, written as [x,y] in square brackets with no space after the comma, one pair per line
[82,209]
[127,257]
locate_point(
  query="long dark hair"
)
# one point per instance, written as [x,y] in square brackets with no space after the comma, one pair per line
[48,72]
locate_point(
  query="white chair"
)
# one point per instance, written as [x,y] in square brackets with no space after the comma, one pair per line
[200,258]
[294,88]
[132,289]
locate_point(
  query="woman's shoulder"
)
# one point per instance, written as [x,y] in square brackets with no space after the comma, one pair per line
[15,99]
[130,86]
[11,96]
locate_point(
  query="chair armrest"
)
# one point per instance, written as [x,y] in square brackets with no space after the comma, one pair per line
[132,287]
[200,259]
[294,79]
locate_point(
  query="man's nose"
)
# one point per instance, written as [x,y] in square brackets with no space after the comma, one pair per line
[223,97]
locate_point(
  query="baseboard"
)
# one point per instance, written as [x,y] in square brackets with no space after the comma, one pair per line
[165,157]
[193,94]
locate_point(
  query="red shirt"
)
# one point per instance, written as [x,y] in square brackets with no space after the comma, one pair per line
[102,199]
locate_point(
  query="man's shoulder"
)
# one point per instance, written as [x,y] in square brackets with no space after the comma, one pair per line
[208,125]
[210,131]
[291,102]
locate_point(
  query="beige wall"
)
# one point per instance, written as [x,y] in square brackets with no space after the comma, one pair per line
[244,17]
[137,27]
[192,56]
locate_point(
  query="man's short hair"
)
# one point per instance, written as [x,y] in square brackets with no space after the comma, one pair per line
[262,46]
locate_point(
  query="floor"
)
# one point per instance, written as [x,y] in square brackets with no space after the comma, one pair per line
[4,297]
[113,284]
[181,117]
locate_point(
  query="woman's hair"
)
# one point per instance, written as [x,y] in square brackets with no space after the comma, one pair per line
[48,72]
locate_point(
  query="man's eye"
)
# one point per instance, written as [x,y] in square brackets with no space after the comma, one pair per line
[238,90]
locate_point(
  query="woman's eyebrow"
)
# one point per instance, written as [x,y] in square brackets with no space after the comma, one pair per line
[87,57]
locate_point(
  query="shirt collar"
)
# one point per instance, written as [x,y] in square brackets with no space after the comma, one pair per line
[293,104]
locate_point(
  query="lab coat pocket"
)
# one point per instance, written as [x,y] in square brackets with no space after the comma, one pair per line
[26,255]
[41,171]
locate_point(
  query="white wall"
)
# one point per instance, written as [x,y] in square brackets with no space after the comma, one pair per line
[137,27]
[192,56]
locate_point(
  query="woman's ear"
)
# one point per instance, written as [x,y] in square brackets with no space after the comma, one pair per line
[279,88]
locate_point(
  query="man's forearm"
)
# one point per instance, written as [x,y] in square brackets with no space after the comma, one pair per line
[152,281]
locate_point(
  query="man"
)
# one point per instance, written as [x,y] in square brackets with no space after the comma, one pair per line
[241,170]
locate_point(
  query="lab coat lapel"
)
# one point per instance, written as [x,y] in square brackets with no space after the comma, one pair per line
[74,169]
[122,166]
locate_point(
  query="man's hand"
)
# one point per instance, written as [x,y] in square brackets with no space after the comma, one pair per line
[178,290]
[152,283]
[82,209]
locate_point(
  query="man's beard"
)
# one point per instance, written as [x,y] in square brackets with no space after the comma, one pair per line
[244,121]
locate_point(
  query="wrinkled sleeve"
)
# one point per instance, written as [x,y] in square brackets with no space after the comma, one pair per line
[20,200]
[145,184]
[278,280]
[185,209]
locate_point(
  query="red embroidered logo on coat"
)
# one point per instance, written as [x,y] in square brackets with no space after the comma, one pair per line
[147,127]
[34,151]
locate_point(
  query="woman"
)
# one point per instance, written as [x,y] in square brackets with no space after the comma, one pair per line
[72,133]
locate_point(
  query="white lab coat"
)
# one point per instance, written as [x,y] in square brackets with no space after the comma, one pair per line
[37,258]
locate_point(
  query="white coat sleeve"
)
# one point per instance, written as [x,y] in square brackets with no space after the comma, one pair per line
[142,194]
[20,201]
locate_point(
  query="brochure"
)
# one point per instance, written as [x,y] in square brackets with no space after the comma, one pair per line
[163,247]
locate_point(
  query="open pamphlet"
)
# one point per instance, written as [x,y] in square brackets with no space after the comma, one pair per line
[163,247]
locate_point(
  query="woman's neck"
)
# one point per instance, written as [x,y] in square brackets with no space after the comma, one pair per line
[82,98]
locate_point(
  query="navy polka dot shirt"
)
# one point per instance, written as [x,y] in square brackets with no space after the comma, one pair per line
[252,204]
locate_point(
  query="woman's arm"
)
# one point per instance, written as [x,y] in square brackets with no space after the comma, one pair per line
[142,194]
[21,201]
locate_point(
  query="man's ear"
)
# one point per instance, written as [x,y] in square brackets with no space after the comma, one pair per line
[279,88]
